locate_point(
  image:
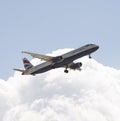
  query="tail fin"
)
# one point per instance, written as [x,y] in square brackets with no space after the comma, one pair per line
[27,64]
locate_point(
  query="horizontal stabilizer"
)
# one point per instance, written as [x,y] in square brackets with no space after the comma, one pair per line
[20,70]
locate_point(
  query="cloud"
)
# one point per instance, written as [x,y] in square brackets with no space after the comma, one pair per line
[92,94]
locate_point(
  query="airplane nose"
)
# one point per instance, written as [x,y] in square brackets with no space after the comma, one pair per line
[97,47]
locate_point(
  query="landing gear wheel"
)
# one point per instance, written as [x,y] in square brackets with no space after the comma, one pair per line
[66,71]
[90,56]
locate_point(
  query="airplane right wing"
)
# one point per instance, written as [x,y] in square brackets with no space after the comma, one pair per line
[45,57]
[39,56]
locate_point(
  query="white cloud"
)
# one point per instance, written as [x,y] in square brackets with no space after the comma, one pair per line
[90,95]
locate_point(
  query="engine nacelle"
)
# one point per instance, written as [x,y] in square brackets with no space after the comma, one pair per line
[57,59]
[75,65]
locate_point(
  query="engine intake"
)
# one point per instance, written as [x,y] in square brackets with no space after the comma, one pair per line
[75,65]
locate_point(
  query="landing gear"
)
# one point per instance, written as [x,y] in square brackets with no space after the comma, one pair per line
[90,56]
[66,71]
[80,69]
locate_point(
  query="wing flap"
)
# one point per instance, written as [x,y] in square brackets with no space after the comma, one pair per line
[39,56]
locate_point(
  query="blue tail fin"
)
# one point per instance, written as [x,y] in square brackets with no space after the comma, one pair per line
[27,64]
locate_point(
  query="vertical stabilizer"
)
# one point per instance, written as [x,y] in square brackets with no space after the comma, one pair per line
[27,64]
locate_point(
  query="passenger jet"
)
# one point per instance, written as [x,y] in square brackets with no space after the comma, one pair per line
[65,60]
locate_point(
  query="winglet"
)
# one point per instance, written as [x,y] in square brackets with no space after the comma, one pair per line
[25,52]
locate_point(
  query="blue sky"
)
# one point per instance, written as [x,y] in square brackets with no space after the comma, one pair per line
[44,26]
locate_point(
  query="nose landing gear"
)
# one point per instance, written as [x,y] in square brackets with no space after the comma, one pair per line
[66,71]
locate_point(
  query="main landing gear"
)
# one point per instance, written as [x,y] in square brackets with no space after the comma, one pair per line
[90,56]
[66,71]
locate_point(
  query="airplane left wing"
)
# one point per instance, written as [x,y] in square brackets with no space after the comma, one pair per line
[39,56]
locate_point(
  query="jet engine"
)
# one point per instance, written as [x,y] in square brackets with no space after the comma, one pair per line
[75,66]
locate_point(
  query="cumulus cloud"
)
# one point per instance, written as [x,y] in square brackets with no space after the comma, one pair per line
[92,94]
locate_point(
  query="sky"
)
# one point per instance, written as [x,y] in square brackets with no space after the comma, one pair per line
[45,26]
[53,27]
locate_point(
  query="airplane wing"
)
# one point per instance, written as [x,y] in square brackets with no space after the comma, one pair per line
[39,56]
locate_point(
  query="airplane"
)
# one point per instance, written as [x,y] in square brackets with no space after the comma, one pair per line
[65,60]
